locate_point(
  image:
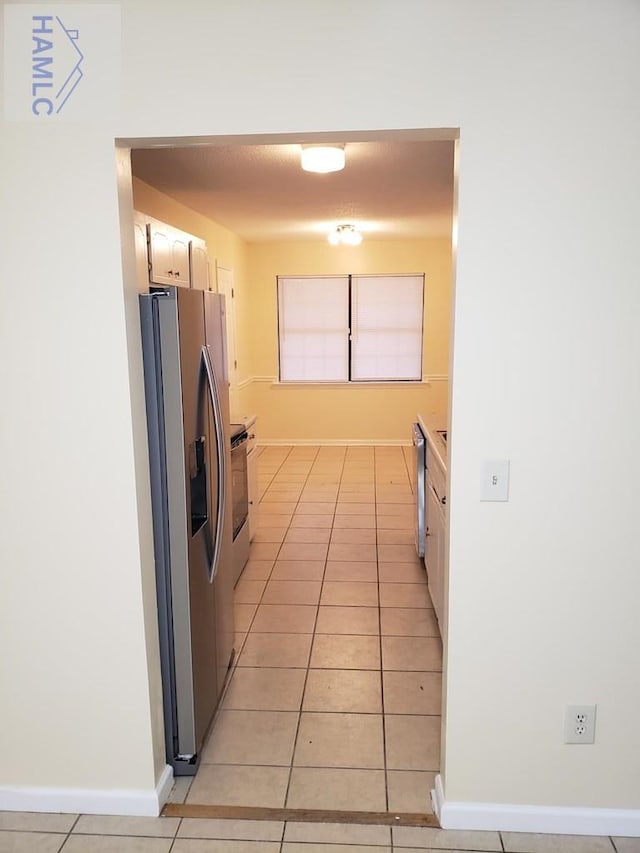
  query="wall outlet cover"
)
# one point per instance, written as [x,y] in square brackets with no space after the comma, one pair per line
[494,482]
[580,724]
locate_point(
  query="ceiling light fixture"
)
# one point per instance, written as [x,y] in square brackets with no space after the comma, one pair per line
[322,158]
[347,235]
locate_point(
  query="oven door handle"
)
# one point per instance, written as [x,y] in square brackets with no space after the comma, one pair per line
[418,436]
[220,455]
[420,448]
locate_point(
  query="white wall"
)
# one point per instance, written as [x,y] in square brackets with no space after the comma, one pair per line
[544,589]
[78,693]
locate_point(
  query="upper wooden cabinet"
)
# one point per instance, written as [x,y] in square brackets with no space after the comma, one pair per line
[199,264]
[166,255]
[142,254]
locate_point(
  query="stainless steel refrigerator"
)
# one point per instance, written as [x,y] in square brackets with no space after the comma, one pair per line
[187,395]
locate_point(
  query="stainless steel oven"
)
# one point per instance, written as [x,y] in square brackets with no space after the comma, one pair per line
[420,473]
[239,498]
[239,490]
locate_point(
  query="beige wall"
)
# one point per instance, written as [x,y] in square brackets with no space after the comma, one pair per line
[357,412]
[544,589]
[331,413]
[78,708]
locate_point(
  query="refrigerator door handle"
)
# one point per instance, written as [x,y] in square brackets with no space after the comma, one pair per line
[221,456]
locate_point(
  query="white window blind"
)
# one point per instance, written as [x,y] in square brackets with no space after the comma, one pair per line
[313,328]
[382,313]
[386,327]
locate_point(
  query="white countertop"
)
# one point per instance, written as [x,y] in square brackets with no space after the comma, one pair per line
[247,420]
[430,424]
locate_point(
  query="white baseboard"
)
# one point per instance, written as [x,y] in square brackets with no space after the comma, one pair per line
[334,442]
[142,803]
[559,820]
[437,798]
[164,786]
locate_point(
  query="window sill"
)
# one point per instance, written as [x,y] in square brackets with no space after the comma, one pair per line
[389,383]
[431,379]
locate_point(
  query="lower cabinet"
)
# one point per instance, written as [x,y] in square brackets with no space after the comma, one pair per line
[434,550]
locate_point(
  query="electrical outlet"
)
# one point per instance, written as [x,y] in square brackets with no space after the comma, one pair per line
[580,724]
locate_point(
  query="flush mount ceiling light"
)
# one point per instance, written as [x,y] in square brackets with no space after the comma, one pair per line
[347,235]
[322,158]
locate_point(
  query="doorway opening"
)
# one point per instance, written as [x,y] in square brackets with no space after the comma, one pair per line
[334,697]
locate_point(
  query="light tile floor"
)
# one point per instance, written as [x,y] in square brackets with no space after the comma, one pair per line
[51,833]
[334,700]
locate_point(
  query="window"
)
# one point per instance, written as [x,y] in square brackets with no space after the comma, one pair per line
[360,328]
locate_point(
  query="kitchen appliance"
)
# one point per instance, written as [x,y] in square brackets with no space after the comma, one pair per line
[184,353]
[420,470]
[252,474]
[240,498]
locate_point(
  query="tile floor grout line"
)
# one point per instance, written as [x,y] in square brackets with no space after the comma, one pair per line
[306,676]
[73,826]
[404,474]
[292,514]
[272,567]
[175,835]
[32,831]
[265,587]
[344,668]
[311,766]
[233,669]
[384,727]
[406,465]
[341,713]
[234,666]
[315,625]
[69,831]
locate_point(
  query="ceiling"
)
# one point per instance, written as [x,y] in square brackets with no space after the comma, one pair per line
[391,189]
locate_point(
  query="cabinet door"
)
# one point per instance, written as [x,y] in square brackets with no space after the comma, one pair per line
[225,279]
[252,490]
[159,254]
[142,257]
[168,255]
[434,551]
[439,572]
[180,259]
[199,265]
